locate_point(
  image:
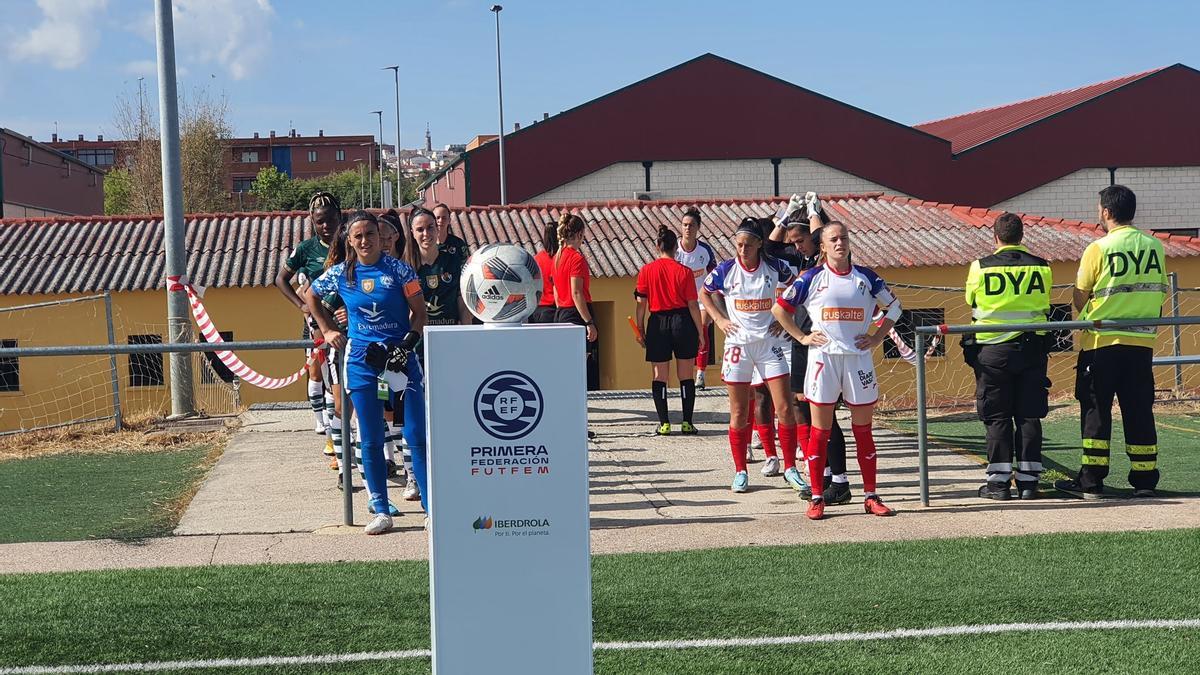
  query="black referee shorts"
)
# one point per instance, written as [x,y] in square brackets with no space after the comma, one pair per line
[671,333]
[544,314]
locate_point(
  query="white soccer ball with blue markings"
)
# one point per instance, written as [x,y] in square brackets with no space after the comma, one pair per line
[501,284]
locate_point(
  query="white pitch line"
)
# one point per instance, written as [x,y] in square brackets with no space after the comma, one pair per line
[712,643]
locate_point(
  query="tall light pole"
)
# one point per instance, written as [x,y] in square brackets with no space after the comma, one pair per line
[362,184]
[379,113]
[179,320]
[396,71]
[500,90]
[370,174]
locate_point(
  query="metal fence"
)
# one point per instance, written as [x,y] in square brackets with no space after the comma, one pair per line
[113,350]
[925,333]
[951,383]
[93,388]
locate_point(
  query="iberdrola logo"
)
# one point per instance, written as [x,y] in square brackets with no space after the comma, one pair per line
[482,523]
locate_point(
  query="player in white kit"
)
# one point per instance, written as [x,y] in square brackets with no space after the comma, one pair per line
[700,258]
[840,298]
[750,283]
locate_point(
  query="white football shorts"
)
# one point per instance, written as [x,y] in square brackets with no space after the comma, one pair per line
[851,376]
[756,379]
[766,359]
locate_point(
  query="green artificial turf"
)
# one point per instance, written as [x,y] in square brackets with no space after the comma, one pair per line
[87,496]
[250,611]
[1178,446]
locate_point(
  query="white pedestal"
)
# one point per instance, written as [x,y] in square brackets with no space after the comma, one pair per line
[510,566]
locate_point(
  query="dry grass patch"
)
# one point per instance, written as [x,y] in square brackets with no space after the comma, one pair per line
[140,434]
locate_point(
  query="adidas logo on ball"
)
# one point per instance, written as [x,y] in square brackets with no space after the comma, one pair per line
[501,284]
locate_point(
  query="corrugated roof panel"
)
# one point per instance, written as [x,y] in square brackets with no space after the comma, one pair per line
[91,254]
[975,128]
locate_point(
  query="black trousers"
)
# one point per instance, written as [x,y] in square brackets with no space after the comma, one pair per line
[591,349]
[1123,371]
[1011,397]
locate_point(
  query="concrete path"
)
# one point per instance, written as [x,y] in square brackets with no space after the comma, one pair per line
[272,498]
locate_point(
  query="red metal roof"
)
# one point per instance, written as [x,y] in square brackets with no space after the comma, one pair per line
[90,254]
[1035,141]
[968,130]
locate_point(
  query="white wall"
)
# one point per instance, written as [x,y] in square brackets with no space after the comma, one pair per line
[1168,197]
[712,178]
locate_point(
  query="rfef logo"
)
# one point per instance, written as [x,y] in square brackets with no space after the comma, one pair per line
[508,405]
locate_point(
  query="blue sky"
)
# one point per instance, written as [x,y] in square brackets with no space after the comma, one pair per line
[316,63]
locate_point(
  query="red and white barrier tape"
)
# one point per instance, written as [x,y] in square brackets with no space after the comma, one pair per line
[210,333]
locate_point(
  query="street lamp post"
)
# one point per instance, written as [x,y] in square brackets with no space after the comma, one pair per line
[362,184]
[396,71]
[500,93]
[370,174]
[379,114]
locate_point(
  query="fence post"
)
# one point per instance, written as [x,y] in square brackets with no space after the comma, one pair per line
[922,446]
[347,448]
[112,362]
[1176,332]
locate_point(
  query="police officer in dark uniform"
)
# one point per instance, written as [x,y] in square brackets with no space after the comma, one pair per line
[1011,389]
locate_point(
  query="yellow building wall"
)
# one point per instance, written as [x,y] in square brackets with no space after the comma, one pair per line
[59,389]
[623,363]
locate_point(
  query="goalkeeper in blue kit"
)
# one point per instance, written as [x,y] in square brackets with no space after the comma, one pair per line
[386,314]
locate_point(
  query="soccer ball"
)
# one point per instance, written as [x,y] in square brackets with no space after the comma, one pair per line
[501,284]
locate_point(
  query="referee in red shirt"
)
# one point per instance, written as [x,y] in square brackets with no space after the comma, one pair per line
[572,290]
[675,327]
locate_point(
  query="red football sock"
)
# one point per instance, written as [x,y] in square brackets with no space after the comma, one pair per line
[818,445]
[865,445]
[738,438]
[802,433]
[787,445]
[766,434]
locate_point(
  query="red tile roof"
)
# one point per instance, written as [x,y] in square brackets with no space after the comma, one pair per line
[968,130]
[89,254]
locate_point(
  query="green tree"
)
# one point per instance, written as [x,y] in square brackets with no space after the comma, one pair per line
[118,192]
[203,131]
[274,190]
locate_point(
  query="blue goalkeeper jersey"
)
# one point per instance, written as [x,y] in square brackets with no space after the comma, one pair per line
[377,301]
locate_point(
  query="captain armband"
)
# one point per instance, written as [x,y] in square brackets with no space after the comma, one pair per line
[890,303]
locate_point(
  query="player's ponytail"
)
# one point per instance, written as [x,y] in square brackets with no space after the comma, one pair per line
[570,225]
[337,249]
[550,238]
[667,241]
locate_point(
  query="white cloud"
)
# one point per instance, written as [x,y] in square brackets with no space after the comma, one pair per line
[66,36]
[142,68]
[233,34]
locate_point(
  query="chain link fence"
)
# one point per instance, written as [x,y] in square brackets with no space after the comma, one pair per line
[951,383]
[44,393]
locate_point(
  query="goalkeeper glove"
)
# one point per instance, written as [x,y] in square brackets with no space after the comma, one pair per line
[784,215]
[398,357]
[812,203]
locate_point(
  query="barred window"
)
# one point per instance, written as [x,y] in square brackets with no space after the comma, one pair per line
[219,369]
[10,369]
[1064,340]
[909,319]
[146,370]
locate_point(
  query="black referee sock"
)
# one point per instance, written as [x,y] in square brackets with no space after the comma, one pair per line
[659,389]
[687,390]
